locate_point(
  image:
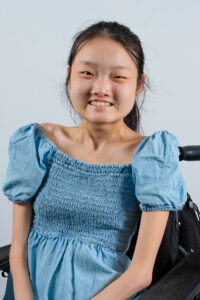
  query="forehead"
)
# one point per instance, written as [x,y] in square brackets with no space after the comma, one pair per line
[104,51]
[93,64]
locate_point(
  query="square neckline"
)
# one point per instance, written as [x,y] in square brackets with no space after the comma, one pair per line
[80,162]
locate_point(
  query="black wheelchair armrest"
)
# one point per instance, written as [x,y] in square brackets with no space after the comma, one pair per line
[4,259]
[182,282]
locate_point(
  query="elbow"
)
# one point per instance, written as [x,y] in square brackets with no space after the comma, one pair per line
[147,281]
[139,284]
[143,279]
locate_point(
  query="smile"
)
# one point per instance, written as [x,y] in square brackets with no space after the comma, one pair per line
[100,103]
[100,106]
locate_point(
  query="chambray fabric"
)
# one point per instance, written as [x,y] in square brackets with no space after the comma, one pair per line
[85,215]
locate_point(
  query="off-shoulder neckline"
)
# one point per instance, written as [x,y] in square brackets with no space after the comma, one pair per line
[76,161]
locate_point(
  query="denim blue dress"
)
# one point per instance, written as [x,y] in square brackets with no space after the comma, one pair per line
[85,215]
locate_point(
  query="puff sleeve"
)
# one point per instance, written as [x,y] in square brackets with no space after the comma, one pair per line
[26,166]
[159,184]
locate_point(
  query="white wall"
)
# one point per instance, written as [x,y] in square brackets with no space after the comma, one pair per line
[35,42]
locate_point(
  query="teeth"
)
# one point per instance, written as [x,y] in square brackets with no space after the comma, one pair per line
[100,103]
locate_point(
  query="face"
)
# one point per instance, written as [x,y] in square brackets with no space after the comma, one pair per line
[102,69]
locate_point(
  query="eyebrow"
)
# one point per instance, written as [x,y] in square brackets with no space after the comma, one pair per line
[89,63]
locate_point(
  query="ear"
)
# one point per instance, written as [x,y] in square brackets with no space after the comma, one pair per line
[141,86]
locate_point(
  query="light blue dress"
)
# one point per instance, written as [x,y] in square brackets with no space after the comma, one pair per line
[85,215]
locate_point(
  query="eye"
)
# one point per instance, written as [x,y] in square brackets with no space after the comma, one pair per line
[120,77]
[86,72]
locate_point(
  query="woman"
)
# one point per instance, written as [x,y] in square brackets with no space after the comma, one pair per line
[79,192]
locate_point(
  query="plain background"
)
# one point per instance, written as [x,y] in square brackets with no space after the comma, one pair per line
[36,37]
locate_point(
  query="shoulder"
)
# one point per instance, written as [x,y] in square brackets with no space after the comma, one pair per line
[159,183]
[161,139]
[28,140]
[165,136]
[164,143]
[48,129]
[48,126]
[156,150]
[27,165]
[55,133]
[24,135]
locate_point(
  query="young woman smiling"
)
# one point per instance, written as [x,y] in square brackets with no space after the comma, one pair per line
[79,192]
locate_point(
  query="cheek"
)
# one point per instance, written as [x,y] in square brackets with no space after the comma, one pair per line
[80,87]
[124,95]
[125,100]
[124,90]
[79,93]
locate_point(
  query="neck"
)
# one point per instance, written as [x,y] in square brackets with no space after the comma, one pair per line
[97,136]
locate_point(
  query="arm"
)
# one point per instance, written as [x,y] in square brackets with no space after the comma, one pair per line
[139,274]
[18,256]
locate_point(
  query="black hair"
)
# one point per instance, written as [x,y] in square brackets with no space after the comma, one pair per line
[130,42]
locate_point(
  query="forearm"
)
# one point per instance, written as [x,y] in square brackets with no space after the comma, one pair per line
[20,274]
[125,286]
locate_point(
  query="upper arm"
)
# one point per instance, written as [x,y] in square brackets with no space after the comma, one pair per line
[151,231]
[22,218]
[159,188]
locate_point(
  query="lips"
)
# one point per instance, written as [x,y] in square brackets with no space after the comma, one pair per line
[100,100]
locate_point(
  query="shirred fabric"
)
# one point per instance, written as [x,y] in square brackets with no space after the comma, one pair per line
[159,184]
[85,215]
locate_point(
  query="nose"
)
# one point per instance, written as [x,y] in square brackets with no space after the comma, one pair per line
[101,87]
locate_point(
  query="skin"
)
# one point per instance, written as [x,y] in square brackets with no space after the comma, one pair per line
[100,129]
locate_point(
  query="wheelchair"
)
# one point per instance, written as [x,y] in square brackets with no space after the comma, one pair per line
[177,281]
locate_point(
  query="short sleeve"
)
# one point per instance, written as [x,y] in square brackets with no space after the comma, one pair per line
[159,183]
[26,169]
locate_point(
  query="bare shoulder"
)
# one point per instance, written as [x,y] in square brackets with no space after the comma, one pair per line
[48,126]
[53,126]
[136,139]
[55,132]
[134,143]
[48,129]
